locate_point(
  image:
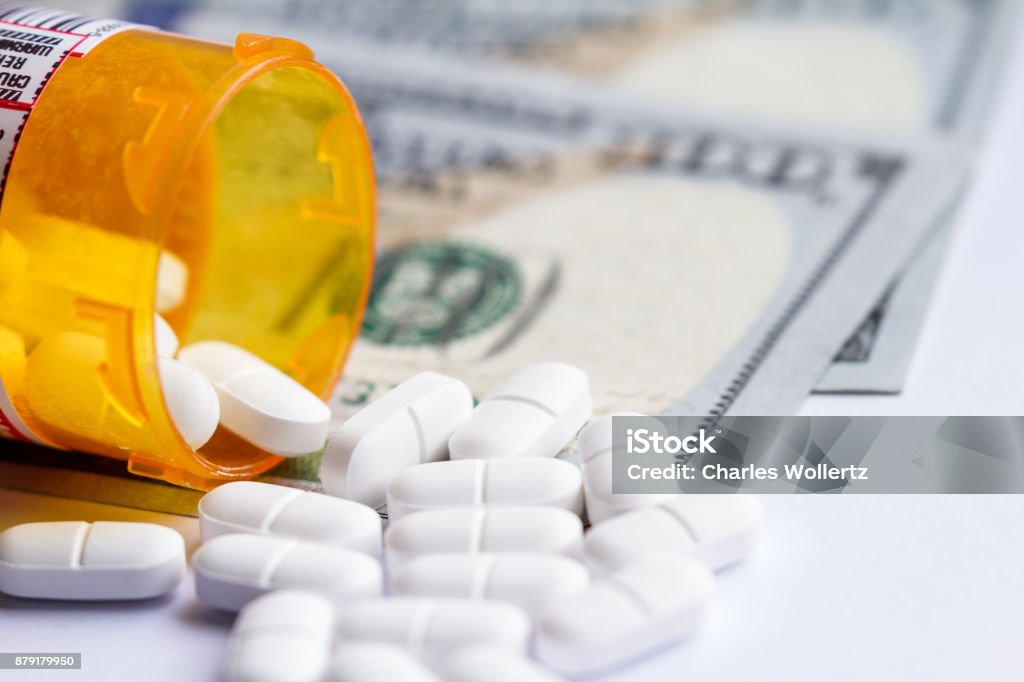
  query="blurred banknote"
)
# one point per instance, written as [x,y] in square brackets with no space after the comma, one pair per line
[697,262]
[689,264]
[552,31]
[874,65]
[884,65]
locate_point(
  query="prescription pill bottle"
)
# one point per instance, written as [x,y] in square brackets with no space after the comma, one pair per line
[227,187]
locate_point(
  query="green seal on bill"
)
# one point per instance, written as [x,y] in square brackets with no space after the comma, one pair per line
[430,294]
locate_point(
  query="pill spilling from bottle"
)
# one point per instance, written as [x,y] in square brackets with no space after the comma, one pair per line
[206,386]
[227,188]
[486,570]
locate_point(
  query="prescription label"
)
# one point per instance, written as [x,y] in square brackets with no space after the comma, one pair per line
[27,58]
[11,425]
[88,31]
[33,45]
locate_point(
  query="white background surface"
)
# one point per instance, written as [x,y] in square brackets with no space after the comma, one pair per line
[843,588]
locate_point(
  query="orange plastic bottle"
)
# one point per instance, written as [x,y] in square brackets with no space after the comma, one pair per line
[230,188]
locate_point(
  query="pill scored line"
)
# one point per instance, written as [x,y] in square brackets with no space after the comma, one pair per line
[476,531]
[481,481]
[421,441]
[680,519]
[278,507]
[419,626]
[482,579]
[632,595]
[526,401]
[270,568]
[78,548]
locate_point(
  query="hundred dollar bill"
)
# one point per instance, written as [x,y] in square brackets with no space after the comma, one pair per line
[422,100]
[690,265]
[885,65]
[534,30]
[892,66]
[879,65]
[686,262]
[828,62]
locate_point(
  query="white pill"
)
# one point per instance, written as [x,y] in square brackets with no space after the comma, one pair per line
[533,413]
[377,662]
[171,282]
[284,636]
[627,613]
[595,443]
[717,530]
[533,582]
[258,402]
[165,339]
[265,508]
[492,664]
[84,561]
[232,570]
[191,401]
[408,425]
[530,481]
[547,530]
[432,628]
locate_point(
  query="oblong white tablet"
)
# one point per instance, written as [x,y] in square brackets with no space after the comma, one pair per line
[533,413]
[232,570]
[284,636]
[83,561]
[191,401]
[541,481]
[258,402]
[547,530]
[377,662]
[596,443]
[431,628]
[493,664]
[171,282]
[533,582]
[410,424]
[265,508]
[717,530]
[164,338]
[629,612]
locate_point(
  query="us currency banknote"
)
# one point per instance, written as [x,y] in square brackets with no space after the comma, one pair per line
[431,160]
[535,30]
[681,260]
[690,264]
[880,65]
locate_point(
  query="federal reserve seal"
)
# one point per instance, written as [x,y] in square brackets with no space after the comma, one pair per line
[438,292]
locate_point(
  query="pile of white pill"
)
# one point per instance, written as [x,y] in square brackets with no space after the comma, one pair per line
[484,572]
[213,382]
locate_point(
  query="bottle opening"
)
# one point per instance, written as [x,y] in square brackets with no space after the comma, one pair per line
[230,190]
[272,231]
